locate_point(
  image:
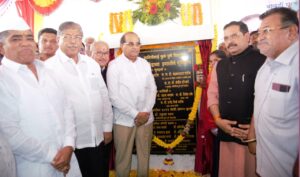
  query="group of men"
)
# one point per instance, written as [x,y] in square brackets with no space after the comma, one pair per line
[60,104]
[260,87]
[57,102]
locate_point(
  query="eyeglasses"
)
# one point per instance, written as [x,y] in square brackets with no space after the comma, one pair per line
[69,37]
[101,53]
[131,44]
[232,37]
[268,30]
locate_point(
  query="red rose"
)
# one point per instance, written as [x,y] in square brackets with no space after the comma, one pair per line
[153,9]
[168,6]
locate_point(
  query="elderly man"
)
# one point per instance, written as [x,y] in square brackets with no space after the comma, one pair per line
[100,53]
[85,88]
[47,43]
[35,116]
[132,91]
[230,100]
[276,106]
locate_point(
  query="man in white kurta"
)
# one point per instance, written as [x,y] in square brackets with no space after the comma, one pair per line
[132,91]
[85,88]
[35,116]
[276,105]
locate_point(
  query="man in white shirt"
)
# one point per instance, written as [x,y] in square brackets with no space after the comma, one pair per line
[276,104]
[132,91]
[35,116]
[83,84]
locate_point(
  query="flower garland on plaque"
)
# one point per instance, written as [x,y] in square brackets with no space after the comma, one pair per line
[154,12]
[190,120]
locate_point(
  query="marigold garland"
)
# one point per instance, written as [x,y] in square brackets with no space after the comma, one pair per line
[183,15]
[45,7]
[215,39]
[115,22]
[191,14]
[197,14]
[127,24]
[186,14]
[162,173]
[120,22]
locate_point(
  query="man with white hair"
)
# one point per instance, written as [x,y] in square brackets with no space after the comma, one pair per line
[100,53]
[35,116]
[85,88]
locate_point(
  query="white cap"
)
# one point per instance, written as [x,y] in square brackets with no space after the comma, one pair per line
[13,23]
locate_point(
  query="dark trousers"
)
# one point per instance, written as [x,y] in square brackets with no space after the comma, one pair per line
[216,154]
[94,161]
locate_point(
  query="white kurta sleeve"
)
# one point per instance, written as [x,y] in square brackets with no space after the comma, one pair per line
[22,145]
[69,122]
[107,107]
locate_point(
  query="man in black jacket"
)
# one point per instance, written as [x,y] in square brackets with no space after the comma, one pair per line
[230,100]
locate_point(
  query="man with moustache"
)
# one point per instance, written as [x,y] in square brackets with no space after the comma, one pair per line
[35,115]
[230,100]
[87,92]
[47,43]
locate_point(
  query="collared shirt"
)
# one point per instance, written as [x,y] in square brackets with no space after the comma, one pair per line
[35,117]
[87,92]
[132,89]
[276,114]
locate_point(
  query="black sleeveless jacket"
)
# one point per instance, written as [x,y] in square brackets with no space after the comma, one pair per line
[236,76]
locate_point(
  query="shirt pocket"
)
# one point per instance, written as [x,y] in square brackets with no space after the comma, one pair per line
[276,105]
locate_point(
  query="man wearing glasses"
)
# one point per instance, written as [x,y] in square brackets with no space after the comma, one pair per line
[86,90]
[276,105]
[132,91]
[230,100]
[100,53]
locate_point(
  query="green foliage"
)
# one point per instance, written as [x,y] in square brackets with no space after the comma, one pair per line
[154,12]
